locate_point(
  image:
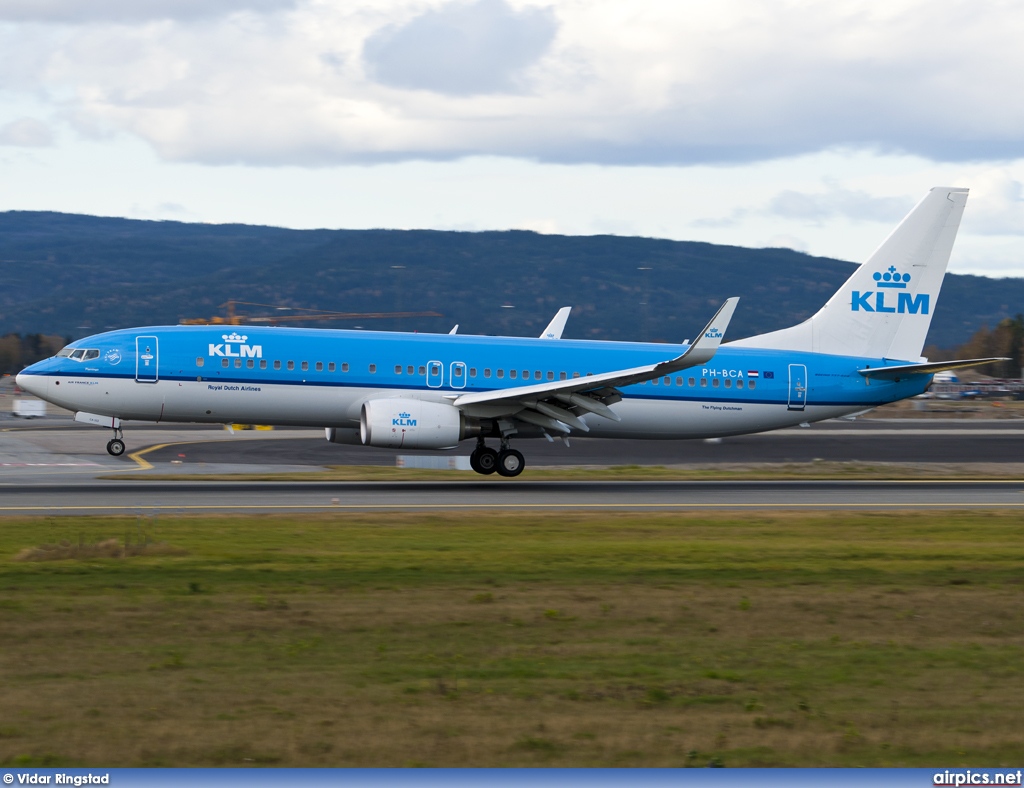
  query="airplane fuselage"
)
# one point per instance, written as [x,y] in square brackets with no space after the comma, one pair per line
[316,377]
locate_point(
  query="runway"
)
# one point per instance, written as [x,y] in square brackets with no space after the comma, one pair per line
[58,468]
[487,494]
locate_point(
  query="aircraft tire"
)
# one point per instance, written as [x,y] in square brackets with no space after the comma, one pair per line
[511,463]
[115,448]
[484,461]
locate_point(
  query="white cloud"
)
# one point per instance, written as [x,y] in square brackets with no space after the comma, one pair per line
[127,11]
[649,82]
[461,49]
[26,133]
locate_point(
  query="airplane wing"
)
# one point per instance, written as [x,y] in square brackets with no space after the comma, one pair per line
[557,405]
[925,369]
[557,324]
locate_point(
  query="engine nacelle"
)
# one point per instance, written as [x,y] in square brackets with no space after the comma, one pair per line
[346,435]
[413,424]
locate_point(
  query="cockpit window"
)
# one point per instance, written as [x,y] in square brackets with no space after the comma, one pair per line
[79,354]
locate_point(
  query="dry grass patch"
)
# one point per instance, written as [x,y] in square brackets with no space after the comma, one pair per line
[520,640]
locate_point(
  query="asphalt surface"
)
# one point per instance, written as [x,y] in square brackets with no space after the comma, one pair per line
[912,442]
[250,497]
[55,467]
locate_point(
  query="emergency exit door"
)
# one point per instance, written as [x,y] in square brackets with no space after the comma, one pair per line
[147,359]
[797,386]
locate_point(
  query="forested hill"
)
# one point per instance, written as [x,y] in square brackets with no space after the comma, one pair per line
[75,275]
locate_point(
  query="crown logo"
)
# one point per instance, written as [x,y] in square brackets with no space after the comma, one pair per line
[891,278]
[403,415]
[234,336]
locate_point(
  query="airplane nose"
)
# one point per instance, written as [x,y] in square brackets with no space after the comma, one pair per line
[28,382]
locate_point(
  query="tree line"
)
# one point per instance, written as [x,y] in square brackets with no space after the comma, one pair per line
[18,351]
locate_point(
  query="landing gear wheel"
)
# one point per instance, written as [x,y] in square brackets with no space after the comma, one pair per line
[115,448]
[484,461]
[511,462]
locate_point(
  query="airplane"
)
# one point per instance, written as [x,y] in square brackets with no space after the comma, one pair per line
[398,390]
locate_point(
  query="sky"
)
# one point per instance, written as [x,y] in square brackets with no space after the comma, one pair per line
[809,125]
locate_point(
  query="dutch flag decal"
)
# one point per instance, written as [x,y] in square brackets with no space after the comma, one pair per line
[752,373]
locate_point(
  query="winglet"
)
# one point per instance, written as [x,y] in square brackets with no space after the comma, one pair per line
[704,349]
[557,324]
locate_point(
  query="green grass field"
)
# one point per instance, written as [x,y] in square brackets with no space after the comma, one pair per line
[492,639]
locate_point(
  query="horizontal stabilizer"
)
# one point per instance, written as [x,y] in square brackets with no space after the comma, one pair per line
[889,373]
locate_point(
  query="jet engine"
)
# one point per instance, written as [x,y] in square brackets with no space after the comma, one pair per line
[414,424]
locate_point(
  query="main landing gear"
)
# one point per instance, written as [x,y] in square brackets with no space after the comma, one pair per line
[507,462]
[115,446]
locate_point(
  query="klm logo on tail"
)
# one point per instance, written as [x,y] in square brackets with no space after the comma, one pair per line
[876,301]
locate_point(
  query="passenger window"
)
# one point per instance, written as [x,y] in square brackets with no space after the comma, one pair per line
[512,373]
[250,364]
[668,381]
[200,361]
[526,374]
[224,362]
[551,375]
[238,363]
[305,365]
[501,373]
[398,369]
[277,363]
[319,366]
[373,369]
[263,363]
[435,369]
[739,384]
[575,374]
[410,370]
[715,382]
[487,373]
[691,382]
[728,383]
[654,382]
[423,370]
[753,384]
[703,383]
[344,366]
[536,374]
[472,372]
[561,376]
[291,365]
[331,366]
[457,372]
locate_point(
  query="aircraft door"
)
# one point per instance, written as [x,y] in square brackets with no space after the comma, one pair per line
[797,386]
[457,379]
[435,374]
[147,359]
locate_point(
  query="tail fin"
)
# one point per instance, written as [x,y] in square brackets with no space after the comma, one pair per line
[884,309]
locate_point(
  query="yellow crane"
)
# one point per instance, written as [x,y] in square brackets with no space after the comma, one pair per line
[232,318]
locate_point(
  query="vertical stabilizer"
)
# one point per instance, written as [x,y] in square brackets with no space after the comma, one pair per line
[884,309]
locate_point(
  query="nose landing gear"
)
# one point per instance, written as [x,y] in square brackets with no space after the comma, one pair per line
[115,446]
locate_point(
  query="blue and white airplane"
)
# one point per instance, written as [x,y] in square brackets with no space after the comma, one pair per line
[424,391]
